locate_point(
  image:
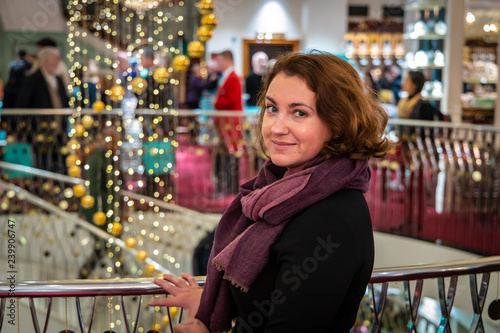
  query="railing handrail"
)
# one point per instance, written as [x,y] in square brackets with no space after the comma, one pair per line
[229,113]
[72,180]
[143,286]
[42,173]
[39,202]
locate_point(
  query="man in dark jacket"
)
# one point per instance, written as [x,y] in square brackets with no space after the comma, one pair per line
[43,89]
[18,73]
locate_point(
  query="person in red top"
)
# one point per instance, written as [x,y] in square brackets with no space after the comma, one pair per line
[228,98]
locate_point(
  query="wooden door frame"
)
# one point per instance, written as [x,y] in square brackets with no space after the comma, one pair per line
[246,49]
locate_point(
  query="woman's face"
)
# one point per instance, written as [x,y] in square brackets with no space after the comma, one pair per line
[408,86]
[292,130]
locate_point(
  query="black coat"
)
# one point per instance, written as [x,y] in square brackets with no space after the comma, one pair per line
[317,272]
[35,93]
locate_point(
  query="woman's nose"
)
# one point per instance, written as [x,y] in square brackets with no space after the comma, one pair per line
[279,125]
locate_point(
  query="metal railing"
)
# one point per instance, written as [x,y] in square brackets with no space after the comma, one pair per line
[441,184]
[119,293]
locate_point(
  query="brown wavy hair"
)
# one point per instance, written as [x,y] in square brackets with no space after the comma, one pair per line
[356,119]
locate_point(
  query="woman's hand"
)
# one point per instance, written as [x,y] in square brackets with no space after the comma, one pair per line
[191,326]
[185,291]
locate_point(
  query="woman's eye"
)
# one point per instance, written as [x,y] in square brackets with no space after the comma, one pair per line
[271,109]
[300,114]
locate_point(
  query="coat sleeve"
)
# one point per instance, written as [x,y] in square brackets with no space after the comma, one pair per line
[229,95]
[323,272]
[26,95]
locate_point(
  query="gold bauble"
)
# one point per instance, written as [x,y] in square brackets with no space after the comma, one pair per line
[64,150]
[166,320]
[142,255]
[79,130]
[195,49]
[180,63]
[157,328]
[68,192]
[99,106]
[131,242]
[63,205]
[74,171]
[87,201]
[204,33]
[88,121]
[46,186]
[139,85]
[150,269]
[116,93]
[99,218]
[161,75]
[71,160]
[116,228]
[54,124]
[173,311]
[206,7]
[79,190]
[209,20]
[73,144]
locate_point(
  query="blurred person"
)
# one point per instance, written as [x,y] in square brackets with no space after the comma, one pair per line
[106,82]
[228,94]
[253,82]
[123,67]
[391,82]
[148,98]
[228,98]
[414,106]
[91,78]
[61,70]
[44,89]
[148,59]
[19,70]
[213,76]
[195,87]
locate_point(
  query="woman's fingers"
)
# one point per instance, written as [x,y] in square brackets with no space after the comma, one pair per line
[167,286]
[166,301]
[190,279]
[179,282]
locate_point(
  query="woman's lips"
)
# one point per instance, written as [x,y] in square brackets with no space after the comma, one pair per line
[278,145]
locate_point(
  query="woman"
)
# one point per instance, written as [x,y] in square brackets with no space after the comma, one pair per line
[413,106]
[294,250]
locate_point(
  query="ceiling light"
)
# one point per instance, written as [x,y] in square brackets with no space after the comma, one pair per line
[470,17]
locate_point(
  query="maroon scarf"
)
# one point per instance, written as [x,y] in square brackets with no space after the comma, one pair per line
[257,217]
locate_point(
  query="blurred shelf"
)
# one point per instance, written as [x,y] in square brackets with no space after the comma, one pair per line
[423,67]
[431,36]
[422,5]
[483,81]
[432,98]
